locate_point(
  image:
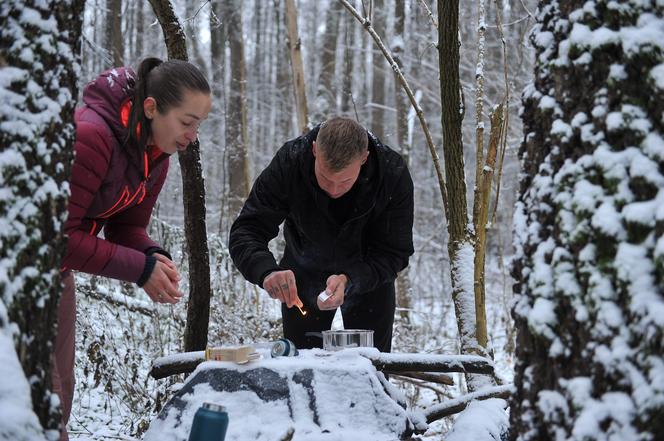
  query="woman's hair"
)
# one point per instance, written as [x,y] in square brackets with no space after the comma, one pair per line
[166,82]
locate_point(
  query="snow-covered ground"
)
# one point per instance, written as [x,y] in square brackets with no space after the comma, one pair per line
[116,399]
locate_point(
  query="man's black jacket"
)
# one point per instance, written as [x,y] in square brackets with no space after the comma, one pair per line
[370,247]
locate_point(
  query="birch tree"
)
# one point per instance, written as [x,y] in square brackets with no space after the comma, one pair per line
[589,227]
[39,47]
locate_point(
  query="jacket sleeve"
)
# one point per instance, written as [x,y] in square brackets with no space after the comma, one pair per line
[85,252]
[390,242]
[128,228]
[258,223]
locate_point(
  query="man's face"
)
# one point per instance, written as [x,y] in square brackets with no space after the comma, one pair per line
[337,184]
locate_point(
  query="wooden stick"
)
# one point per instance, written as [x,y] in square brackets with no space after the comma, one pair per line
[430,377]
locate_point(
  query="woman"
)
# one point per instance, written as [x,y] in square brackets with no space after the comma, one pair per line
[126,130]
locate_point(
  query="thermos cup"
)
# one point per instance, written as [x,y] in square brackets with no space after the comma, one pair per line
[210,423]
[283,348]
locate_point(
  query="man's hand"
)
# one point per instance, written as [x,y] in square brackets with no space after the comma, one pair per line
[280,285]
[336,289]
[163,284]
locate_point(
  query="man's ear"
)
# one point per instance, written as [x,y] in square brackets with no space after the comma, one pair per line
[366,155]
[313,149]
[149,107]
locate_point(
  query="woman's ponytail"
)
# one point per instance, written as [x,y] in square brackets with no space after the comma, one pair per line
[138,125]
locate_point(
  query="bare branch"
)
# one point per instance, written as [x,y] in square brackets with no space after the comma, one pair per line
[429,13]
[411,96]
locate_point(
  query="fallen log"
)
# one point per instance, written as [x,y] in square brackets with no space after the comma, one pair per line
[456,405]
[183,363]
[392,363]
[472,364]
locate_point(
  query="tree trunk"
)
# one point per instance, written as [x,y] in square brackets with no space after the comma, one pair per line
[401,107]
[192,30]
[347,78]
[114,35]
[284,104]
[236,110]
[37,133]
[326,101]
[139,26]
[218,113]
[589,229]
[379,73]
[198,308]
[460,245]
[294,44]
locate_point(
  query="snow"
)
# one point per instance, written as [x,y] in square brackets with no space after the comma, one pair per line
[481,421]
[345,385]
[19,422]
[657,74]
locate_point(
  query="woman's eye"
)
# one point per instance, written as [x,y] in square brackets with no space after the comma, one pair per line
[187,124]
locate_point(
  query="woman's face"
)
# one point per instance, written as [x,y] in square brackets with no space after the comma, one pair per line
[178,127]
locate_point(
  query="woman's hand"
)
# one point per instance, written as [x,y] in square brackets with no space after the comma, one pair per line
[163,284]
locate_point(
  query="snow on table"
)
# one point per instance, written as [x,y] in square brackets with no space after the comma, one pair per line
[321,395]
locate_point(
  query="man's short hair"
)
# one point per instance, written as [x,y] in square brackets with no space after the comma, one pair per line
[341,140]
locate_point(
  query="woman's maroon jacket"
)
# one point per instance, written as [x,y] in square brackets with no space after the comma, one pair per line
[113,187]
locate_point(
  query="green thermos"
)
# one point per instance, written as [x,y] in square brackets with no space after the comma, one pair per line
[210,423]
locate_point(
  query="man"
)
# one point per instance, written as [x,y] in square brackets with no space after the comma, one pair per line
[347,202]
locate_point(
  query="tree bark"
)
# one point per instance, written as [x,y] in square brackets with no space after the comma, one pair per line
[217,118]
[236,110]
[379,74]
[114,36]
[294,44]
[347,77]
[590,268]
[401,107]
[198,308]
[42,95]
[480,220]
[326,101]
[460,245]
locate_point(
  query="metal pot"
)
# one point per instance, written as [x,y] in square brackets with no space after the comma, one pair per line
[347,338]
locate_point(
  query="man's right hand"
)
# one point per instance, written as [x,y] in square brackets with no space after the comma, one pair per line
[280,285]
[162,286]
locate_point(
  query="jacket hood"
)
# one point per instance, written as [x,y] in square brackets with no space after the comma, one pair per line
[106,95]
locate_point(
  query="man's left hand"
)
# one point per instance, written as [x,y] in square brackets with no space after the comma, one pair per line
[335,288]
